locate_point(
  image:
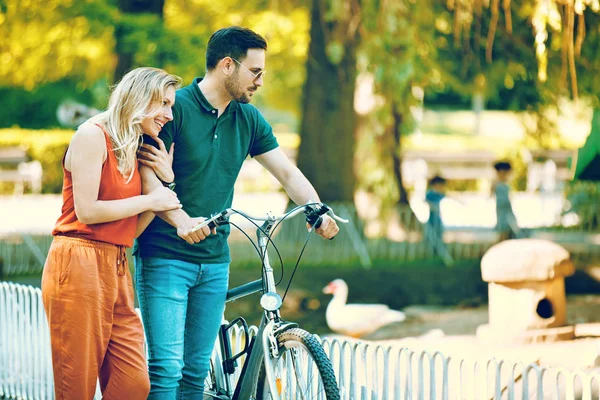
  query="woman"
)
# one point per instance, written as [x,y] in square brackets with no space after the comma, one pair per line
[86,285]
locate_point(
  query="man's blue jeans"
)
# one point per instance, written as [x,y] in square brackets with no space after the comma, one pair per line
[182,308]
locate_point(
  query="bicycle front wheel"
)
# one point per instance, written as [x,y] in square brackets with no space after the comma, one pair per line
[302,370]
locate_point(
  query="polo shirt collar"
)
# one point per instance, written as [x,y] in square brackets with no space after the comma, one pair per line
[206,106]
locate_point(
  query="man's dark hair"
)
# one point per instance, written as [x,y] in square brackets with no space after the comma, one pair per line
[437,179]
[502,166]
[233,42]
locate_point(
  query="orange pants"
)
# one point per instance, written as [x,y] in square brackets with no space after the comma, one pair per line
[94,329]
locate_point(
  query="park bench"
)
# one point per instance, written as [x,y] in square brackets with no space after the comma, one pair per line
[549,168]
[16,168]
[454,165]
[546,169]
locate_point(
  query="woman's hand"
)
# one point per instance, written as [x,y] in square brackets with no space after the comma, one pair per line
[163,199]
[159,160]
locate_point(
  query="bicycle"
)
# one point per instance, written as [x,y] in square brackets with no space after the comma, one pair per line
[282,361]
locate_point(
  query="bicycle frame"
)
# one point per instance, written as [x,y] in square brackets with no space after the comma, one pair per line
[263,347]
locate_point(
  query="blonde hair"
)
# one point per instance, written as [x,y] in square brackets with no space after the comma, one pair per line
[129,104]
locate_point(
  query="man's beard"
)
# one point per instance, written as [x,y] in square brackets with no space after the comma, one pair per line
[232,86]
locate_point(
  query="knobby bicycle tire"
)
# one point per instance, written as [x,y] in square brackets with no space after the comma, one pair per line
[292,343]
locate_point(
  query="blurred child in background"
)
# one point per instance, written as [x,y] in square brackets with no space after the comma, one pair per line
[506,224]
[434,229]
[434,196]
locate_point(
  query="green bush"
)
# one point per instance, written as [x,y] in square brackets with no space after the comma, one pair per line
[48,147]
[36,108]
[45,146]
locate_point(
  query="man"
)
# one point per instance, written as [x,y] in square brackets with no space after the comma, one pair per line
[182,284]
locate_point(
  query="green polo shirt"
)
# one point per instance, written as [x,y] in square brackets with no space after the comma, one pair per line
[209,153]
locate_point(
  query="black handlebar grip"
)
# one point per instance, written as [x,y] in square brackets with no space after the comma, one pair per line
[318,223]
[314,220]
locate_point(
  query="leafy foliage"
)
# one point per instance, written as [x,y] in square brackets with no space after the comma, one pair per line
[42,42]
[285,28]
[48,40]
[558,26]
[37,109]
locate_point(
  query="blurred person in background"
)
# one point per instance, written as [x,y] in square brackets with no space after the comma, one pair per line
[506,222]
[434,228]
[434,196]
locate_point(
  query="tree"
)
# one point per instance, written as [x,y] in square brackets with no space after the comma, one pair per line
[284,25]
[328,125]
[505,76]
[136,19]
[399,52]
[559,31]
[559,26]
[75,49]
[45,41]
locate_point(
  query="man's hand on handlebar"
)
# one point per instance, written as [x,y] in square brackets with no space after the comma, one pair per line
[328,228]
[184,231]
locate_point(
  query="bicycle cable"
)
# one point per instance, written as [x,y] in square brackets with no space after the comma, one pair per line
[248,236]
[275,226]
[269,240]
[296,266]
[301,251]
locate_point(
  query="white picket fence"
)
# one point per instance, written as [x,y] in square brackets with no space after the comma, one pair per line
[365,371]
[25,360]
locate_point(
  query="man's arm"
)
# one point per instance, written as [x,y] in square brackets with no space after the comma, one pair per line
[298,188]
[291,178]
[179,219]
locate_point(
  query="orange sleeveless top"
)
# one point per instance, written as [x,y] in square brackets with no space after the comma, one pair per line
[113,186]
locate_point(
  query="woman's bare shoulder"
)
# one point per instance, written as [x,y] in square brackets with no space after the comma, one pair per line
[89,130]
[89,138]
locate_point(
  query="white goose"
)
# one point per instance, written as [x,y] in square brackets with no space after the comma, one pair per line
[356,320]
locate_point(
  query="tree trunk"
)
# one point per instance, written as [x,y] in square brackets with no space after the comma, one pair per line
[125,56]
[328,124]
[407,218]
[397,120]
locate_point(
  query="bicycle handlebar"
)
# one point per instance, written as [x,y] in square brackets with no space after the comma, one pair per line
[313,212]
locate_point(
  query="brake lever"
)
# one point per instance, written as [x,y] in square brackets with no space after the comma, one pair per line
[314,214]
[319,211]
[328,210]
[214,221]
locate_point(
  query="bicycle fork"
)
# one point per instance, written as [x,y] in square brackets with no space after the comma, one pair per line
[271,351]
[264,348]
